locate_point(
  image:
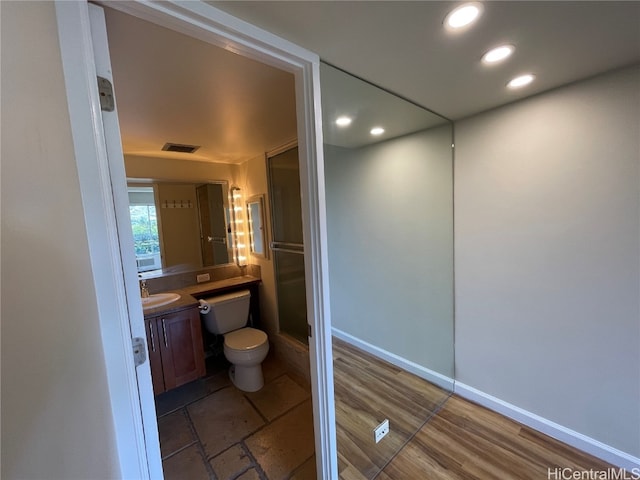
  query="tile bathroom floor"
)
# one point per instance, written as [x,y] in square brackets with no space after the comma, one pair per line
[211,430]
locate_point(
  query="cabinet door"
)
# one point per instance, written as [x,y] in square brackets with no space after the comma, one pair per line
[181,346]
[155,360]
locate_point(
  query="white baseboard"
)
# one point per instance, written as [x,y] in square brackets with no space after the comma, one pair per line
[570,437]
[431,376]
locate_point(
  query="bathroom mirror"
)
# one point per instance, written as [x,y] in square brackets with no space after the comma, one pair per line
[179,226]
[213,223]
[389,200]
[257,230]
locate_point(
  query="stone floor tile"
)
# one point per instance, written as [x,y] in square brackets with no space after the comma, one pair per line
[187,464]
[278,396]
[222,419]
[285,444]
[231,462]
[179,397]
[249,475]
[174,432]
[307,471]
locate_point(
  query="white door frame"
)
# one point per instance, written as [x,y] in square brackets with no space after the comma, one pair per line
[138,451]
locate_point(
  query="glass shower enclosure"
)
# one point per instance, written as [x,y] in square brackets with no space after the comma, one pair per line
[287,242]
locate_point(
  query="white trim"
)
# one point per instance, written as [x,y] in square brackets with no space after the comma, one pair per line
[204,22]
[425,373]
[314,222]
[214,26]
[97,202]
[570,437]
[148,436]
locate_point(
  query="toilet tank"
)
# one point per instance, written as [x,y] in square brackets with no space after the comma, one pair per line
[228,312]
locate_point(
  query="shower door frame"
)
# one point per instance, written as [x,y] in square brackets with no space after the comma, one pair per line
[275,245]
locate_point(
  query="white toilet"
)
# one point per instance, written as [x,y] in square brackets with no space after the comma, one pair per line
[244,347]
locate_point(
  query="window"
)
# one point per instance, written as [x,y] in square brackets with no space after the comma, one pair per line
[144,223]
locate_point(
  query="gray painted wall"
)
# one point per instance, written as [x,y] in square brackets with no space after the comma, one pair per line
[389,218]
[56,412]
[547,256]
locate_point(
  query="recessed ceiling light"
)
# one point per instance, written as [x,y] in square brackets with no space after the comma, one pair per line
[343,121]
[377,131]
[521,81]
[498,54]
[463,15]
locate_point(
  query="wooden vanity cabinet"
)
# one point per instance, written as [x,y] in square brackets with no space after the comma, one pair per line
[176,354]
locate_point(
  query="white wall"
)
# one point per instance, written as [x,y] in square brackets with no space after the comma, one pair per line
[56,414]
[390,236]
[547,256]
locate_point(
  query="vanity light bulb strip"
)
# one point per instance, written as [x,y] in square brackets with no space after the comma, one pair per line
[239,248]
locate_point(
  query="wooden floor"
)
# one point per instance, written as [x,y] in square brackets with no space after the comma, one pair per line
[367,391]
[467,441]
[461,441]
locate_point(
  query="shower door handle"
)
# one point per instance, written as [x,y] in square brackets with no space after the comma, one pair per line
[287,247]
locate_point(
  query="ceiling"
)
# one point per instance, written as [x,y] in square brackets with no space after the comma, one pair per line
[403,47]
[367,106]
[170,87]
[174,88]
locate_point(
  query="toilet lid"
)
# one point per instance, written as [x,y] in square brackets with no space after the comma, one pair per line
[245,339]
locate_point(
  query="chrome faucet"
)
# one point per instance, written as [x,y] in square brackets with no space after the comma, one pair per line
[144,291]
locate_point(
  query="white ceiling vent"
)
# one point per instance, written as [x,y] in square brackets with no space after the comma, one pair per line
[178,147]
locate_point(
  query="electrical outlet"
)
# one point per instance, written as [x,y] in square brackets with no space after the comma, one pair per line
[205,277]
[381,430]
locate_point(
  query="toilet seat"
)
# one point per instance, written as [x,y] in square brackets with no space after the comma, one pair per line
[245,339]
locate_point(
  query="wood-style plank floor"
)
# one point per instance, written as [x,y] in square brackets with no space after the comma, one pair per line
[460,440]
[467,441]
[367,391]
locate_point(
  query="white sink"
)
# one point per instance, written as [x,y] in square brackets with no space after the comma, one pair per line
[158,300]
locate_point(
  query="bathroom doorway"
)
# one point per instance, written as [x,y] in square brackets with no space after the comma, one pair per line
[103,184]
[205,185]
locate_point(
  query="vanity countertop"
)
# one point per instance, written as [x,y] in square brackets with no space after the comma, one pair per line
[188,294]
